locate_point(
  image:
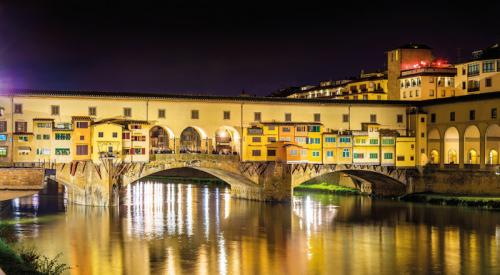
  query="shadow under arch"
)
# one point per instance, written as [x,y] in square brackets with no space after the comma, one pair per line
[370,182]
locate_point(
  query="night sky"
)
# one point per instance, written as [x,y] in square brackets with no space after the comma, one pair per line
[207,48]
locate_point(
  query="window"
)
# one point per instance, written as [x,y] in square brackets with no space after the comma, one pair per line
[227,115]
[373,141]
[315,153]
[401,158]
[286,129]
[115,134]
[127,112]
[82,124]
[314,128]
[300,140]
[387,155]
[92,111]
[195,114]
[422,134]
[433,118]
[125,135]
[472,114]
[257,116]
[18,108]
[400,119]
[82,137]
[3,126]
[422,119]
[329,154]
[493,113]
[256,153]
[23,138]
[54,110]
[288,117]
[345,153]
[359,155]
[271,153]
[488,66]
[46,137]
[317,117]
[21,127]
[3,137]
[464,85]
[365,97]
[373,155]
[300,129]
[388,141]
[271,139]
[345,118]
[330,139]
[345,139]
[487,82]
[161,113]
[256,139]
[473,69]
[62,151]
[62,136]
[3,151]
[82,150]
[271,127]
[44,125]
[373,118]
[452,116]
[293,152]
[100,134]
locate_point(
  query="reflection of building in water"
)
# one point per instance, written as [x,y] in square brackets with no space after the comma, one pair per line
[312,214]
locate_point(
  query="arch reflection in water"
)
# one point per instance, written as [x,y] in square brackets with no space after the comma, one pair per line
[155,208]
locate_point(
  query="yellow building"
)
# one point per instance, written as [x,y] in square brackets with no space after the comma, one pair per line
[481,73]
[344,147]
[427,81]
[366,145]
[405,152]
[81,137]
[62,143]
[106,140]
[314,142]
[330,148]
[23,147]
[388,147]
[254,146]
[42,143]
[367,87]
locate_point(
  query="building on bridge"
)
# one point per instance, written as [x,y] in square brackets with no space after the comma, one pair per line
[137,128]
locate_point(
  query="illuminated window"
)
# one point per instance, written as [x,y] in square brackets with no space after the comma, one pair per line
[488,66]
[2,111]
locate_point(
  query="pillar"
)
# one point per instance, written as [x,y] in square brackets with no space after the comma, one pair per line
[441,152]
[482,151]
[461,146]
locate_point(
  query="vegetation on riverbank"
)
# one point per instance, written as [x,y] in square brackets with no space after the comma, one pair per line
[22,260]
[457,200]
[324,187]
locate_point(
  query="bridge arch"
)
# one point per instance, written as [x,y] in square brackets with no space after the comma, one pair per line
[368,181]
[434,145]
[451,146]
[492,144]
[227,140]
[472,140]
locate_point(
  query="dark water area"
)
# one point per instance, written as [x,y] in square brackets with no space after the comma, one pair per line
[173,228]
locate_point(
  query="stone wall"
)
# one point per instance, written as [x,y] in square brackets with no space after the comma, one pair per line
[21,178]
[479,183]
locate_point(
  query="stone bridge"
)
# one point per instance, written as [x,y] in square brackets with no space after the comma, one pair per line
[98,184]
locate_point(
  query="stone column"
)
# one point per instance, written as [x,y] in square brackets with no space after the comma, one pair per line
[482,151]
[441,152]
[461,146]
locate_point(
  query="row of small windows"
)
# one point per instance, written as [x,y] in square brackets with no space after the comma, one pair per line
[488,66]
[472,115]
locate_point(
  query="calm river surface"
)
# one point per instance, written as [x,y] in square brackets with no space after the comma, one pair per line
[167,228]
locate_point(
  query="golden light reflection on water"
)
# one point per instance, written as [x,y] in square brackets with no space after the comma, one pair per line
[188,229]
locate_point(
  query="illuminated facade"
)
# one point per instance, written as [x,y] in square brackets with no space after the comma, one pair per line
[62,128]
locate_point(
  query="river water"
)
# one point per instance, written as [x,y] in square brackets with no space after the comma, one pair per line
[167,228]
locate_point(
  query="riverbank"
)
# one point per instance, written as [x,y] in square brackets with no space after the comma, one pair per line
[24,260]
[454,200]
[327,188]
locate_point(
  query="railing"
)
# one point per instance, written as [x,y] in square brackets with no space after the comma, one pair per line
[472,89]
